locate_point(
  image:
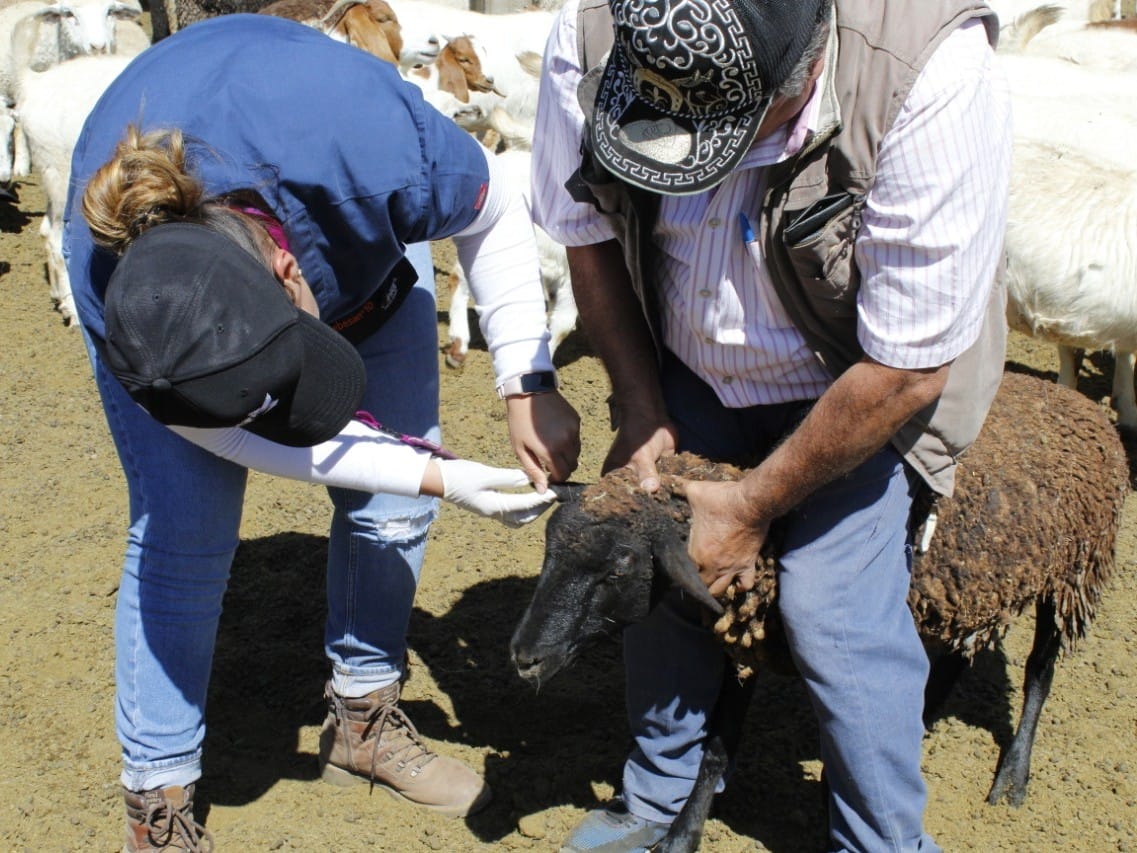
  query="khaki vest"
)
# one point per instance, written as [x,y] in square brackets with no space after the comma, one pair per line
[875,53]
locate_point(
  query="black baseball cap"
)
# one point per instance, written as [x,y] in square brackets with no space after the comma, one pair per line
[201,333]
[688,82]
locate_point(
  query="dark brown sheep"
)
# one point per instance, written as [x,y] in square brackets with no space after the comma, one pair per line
[1033,520]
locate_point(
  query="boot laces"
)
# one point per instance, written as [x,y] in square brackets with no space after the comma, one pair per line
[411,752]
[166,825]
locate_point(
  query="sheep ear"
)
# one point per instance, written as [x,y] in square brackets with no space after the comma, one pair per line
[673,560]
[567,492]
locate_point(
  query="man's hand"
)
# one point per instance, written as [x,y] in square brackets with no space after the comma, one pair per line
[726,534]
[639,444]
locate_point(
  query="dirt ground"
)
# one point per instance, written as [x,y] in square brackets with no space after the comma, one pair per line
[549,756]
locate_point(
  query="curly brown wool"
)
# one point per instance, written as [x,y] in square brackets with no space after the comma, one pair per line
[1035,513]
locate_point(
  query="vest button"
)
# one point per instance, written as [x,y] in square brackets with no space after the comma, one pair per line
[715,223]
[705,293]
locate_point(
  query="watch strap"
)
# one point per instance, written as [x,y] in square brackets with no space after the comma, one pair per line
[527,384]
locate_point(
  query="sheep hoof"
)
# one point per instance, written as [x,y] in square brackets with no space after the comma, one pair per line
[455,356]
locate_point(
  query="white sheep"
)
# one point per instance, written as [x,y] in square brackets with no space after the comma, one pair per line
[62,29]
[1046,32]
[1094,111]
[54,105]
[7,146]
[11,15]
[37,35]
[1072,259]
[514,165]
[1082,10]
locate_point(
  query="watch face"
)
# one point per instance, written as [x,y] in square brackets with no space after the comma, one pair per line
[532,383]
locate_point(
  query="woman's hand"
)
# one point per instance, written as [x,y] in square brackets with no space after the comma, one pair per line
[726,534]
[479,489]
[545,433]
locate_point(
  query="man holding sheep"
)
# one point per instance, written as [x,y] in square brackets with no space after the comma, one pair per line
[784,233]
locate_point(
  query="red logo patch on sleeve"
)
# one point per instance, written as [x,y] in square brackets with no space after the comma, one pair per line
[481,199]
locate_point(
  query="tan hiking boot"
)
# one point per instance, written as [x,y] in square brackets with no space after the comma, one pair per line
[371,740]
[162,819]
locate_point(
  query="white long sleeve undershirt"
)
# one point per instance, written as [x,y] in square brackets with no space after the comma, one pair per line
[358,458]
[500,259]
[498,253]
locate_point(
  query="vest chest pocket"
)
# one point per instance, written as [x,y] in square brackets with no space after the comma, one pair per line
[819,241]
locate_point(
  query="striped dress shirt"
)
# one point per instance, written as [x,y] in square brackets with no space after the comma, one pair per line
[927,250]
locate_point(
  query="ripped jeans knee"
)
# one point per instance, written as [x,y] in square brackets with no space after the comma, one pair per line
[375,557]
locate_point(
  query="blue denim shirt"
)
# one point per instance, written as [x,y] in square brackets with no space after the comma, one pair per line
[348,155]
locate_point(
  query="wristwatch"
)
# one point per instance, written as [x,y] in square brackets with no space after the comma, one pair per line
[528,384]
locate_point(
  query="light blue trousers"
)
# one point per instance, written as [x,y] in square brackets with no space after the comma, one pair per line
[843,597]
[185,513]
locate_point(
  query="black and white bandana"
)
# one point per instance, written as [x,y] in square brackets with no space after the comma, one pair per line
[688,83]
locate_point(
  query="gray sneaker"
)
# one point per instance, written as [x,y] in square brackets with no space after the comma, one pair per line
[614,830]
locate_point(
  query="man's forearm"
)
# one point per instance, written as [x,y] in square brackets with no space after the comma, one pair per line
[614,322]
[850,422]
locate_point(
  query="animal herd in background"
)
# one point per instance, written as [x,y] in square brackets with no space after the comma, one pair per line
[470,66]
[1071,252]
[57,58]
[1072,261]
[1071,241]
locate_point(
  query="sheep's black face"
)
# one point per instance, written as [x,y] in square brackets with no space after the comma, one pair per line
[596,580]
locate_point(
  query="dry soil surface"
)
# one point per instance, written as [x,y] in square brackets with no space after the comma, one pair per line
[549,755]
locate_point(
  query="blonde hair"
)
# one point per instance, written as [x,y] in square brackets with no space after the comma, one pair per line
[146,183]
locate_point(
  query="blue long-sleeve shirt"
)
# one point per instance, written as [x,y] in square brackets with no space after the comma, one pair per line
[346,153]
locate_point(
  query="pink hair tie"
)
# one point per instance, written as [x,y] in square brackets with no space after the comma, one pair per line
[270,223]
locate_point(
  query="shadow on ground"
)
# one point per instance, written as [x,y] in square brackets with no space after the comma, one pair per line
[558,745]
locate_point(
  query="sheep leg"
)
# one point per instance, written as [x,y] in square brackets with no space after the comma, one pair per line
[21,154]
[1069,365]
[724,736]
[459,321]
[1124,397]
[942,677]
[1014,765]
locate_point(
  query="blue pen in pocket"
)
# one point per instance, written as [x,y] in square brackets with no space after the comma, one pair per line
[747,231]
[774,316]
[749,240]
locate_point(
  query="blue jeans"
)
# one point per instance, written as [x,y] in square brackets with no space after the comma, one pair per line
[843,589]
[185,513]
